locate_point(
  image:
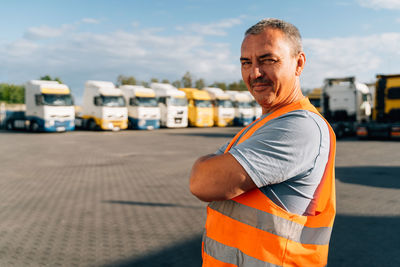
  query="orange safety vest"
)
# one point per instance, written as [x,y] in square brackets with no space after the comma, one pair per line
[251,230]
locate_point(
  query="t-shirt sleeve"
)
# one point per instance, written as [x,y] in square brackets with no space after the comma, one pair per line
[221,150]
[283,148]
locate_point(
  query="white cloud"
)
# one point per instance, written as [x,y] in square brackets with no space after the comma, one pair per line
[90,21]
[45,32]
[216,29]
[363,57]
[80,56]
[380,4]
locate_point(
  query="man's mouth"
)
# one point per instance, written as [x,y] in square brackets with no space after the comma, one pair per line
[261,86]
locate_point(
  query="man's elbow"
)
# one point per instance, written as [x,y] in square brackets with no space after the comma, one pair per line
[198,190]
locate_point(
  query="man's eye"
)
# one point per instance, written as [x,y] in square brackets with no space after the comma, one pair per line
[244,63]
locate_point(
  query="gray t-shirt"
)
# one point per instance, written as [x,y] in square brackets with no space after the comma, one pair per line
[286,159]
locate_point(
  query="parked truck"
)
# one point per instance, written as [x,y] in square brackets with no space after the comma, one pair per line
[200,110]
[49,108]
[345,103]
[244,111]
[143,109]
[257,109]
[315,98]
[385,121]
[224,112]
[103,108]
[173,105]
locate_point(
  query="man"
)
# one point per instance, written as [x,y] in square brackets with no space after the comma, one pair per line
[271,188]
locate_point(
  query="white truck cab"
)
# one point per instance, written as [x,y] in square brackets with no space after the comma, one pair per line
[224,112]
[256,107]
[103,107]
[173,105]
[143,109]
[244,111]
[49,107]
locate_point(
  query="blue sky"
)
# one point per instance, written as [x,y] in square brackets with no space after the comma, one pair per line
[86,40]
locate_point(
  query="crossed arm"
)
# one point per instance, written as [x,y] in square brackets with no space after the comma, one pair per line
[219,177]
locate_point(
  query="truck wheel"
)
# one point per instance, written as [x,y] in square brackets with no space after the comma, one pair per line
[34,126]
[92,125]
[10,126]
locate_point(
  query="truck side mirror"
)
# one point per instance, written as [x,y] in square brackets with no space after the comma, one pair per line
[39,100]
[97,101]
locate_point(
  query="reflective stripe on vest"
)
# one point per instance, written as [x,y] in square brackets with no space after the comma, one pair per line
[251,230]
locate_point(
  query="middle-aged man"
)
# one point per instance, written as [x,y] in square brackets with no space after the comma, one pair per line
[271,188]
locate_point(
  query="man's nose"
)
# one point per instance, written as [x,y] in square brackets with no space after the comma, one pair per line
[256,72]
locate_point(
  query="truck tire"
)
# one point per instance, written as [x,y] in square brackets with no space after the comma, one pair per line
[34,126]
[10,125]
[92,125]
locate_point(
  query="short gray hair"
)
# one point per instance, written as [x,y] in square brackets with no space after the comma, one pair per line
[290,31]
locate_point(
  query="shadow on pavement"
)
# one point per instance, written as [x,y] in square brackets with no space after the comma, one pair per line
[212,135]
[375,176]
[151,204]
[365,241]
[356,241]
[186,254]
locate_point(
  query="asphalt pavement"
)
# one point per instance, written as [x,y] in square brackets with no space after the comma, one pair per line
[121,199]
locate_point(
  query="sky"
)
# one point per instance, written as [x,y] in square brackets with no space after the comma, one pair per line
[99,40]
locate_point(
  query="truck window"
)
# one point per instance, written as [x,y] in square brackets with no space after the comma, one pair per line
[57,100]
[143,101]
[112,101]
[244,104]
[225,103]
[177,101]
[203,103]
[394,93]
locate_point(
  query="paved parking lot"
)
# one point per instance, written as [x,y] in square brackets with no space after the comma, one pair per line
[121,199]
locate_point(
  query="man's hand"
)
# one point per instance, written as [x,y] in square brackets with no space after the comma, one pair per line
[219,177]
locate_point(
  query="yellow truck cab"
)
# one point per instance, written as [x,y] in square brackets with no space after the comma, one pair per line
[200,109]
[224,112]
[385,120]
[315,98]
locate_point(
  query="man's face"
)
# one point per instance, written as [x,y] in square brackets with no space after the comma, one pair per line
[269,68]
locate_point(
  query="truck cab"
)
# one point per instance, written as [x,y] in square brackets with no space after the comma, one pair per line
[345,103]
[173,105]
[315,98]
[49,108]
[224,112]
[143,109]
[257,109]
[103,108]
[385,120]
[244,111]
[200,110]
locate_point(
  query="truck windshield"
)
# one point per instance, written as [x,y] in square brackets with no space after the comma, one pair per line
[225,103]
[144,102]
[177,101]
[244,104]
[203,103]
[316,102]
[57,100]
[113,101]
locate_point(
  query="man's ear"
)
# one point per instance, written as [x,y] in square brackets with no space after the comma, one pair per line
[301,62]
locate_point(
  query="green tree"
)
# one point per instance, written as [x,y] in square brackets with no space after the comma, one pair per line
[122,80]
[165,81]
[187,80]
[11,93]
[154,80]
[48,78]
[221,85]
[199,84]
[145,84]
[177,84]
